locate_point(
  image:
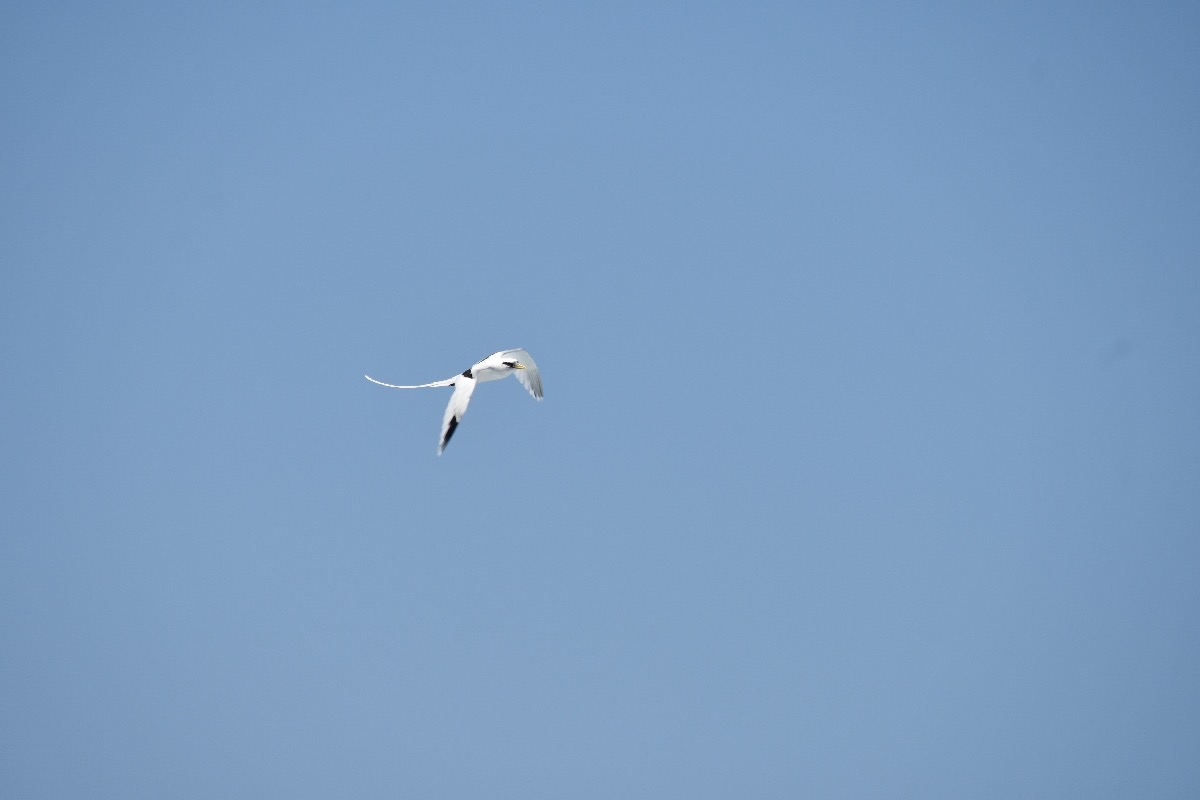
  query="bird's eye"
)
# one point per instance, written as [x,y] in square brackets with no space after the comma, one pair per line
[510,364]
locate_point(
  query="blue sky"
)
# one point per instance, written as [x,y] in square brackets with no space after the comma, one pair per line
[869,460]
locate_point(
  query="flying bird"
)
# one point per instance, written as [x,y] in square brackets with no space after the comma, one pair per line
[496,366]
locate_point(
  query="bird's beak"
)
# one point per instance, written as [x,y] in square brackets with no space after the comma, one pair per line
[520,365]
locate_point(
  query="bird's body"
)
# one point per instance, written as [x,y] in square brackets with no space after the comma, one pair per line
[493,368]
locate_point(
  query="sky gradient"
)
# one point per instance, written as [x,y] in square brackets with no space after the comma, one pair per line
[869,463]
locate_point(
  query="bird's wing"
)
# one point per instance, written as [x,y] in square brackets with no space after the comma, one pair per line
[529,377]
[457,407]
[447,382]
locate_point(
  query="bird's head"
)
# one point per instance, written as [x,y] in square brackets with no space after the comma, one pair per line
[514,365]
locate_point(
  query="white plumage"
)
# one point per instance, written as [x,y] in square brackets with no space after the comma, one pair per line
[496,366]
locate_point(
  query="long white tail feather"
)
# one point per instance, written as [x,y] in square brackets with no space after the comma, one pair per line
[447,382]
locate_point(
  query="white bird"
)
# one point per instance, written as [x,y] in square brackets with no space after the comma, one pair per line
[496,366]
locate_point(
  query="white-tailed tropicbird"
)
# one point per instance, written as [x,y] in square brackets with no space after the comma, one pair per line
[496,366]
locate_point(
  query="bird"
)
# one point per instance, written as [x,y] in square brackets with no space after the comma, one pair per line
[496,366]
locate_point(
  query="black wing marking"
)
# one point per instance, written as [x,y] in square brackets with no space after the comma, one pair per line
[449,431]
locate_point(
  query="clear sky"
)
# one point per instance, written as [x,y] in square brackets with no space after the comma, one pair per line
[869,464]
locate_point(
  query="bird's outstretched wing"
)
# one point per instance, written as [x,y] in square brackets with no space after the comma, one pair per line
[455,409]
[529,377]
[447,382]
